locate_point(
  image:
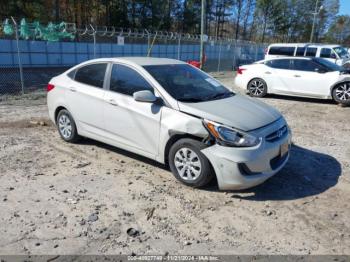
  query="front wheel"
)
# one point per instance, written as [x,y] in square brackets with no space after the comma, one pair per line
[341,93]
[188,164]
[257,87]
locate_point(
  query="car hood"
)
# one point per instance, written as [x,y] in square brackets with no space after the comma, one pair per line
[238,111]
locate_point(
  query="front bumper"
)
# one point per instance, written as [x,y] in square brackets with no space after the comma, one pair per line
[241,168]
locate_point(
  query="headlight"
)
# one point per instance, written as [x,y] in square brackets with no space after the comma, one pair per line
[230,137]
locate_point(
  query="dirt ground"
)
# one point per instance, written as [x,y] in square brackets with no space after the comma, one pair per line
[91,198]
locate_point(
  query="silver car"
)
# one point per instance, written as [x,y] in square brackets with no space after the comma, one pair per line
[174,113]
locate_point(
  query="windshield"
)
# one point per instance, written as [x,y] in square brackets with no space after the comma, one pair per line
[341,51]
[329,65]
[188,84]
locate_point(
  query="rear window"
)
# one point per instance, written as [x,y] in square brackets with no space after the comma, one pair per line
[92,75]
[281,50]
[311,51]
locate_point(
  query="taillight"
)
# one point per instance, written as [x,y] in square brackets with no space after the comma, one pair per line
[240,70]
[50,87]
[265,51]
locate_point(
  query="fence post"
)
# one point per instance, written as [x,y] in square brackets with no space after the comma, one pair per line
[219,56]
[179,48]
[19,55]
[94,36]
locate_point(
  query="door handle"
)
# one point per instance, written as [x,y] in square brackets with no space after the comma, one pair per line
[73,89]
[297,75]
[112,102]
[268,73]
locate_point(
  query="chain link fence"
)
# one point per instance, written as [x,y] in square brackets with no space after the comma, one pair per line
[28,64]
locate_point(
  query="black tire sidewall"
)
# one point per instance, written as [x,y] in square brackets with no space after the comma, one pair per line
[74,136]
[265,88]
[206,174]
[337,100]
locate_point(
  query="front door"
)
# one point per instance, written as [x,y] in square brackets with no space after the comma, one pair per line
[131,124]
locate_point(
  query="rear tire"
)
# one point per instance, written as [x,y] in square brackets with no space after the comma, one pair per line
[341,93]
[257,87]
[188,164]
[66,127]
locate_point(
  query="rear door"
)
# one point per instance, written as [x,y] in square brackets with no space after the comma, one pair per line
[279,73]
[85,97]
[133,125]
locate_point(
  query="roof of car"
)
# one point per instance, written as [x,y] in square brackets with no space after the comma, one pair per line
[142,61]
[305,44]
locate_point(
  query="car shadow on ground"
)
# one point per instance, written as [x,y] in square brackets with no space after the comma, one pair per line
[307,173]
[302,99]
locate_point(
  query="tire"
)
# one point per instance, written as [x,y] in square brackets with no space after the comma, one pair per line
[66,127]
[257,87]
[341,93]
[194,171]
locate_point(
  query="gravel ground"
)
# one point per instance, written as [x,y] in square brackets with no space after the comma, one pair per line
[91,198]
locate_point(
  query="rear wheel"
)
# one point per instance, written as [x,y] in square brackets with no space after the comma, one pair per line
[257,87]
[66,126]
[188,164]
[341,93]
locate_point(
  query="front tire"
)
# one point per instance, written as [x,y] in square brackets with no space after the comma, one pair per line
[341,93]
[66,127]
[188,164]
[257,87]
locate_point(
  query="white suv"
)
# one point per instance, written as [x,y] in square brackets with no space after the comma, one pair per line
[333,53]
[174,113]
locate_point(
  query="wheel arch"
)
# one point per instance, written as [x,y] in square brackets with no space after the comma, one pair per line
[57,110]
[345,80]
[173,139]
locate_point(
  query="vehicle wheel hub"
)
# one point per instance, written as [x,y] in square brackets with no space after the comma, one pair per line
[343,92]
[65,126]
[187,164]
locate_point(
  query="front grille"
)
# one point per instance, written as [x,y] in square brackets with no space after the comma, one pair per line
[276,135]
[277,161]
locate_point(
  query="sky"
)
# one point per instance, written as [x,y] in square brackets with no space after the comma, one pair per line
[344,7]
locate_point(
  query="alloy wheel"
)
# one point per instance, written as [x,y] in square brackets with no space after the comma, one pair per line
[343,92]
[256,87]
[187,164]
[65,126]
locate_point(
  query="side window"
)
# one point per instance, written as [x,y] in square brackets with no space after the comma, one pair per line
[127,81]
[71,74]
[281,50]
[92,75]
[279,63]
[305,65]
[311,51]
[326,52]
[300,51]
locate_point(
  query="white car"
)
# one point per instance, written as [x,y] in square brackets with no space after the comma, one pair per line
[174,113]
[333,53]
[305,77]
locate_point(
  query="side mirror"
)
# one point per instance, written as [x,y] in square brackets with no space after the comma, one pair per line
[145,96]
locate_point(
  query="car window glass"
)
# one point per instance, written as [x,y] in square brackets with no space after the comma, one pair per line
[311,51]
[300,51]
[326,52]
[188,84]
[279,63]
[280,50]
[305,65]
[127,81]
[71,74]
[92,75]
